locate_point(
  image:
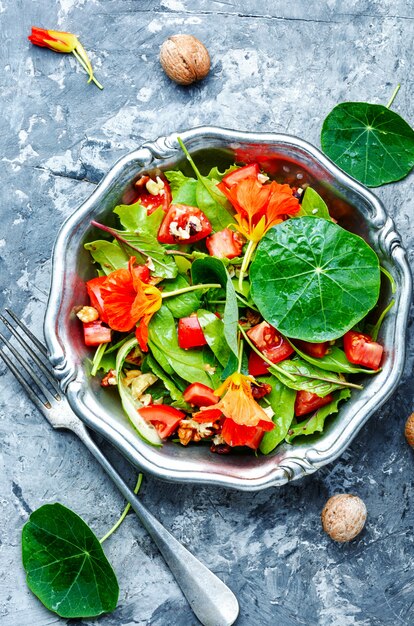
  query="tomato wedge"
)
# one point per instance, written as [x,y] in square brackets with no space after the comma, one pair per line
[306,402]
[256,365]
[95,296]
[200,395]
[317,350]
[269,341]
[190,333]
[361,350]
[163,417]
[183,224]
[225,244]
[152,201]
[94,333]
[231,179]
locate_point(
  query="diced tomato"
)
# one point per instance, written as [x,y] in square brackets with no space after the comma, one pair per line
[231,179]
[256,365]
[190,333]
[165,418]
[94,291]
[269,341]
[183,224]
[150,201]
[361,350]
[238,435]
[225,244]
[306,402]
[200,395]
[95,334]
[317,350]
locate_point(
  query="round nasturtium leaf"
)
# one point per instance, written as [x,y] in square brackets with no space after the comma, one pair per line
[65,565]
[369,142]
[313,280]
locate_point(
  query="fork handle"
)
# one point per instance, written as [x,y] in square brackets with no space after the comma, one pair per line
[211,600]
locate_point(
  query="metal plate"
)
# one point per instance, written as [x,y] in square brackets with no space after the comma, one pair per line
[287,159]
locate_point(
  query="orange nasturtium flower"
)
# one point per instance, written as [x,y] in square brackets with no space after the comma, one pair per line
[60,41]
[245,419]
[128,301]
[260,206]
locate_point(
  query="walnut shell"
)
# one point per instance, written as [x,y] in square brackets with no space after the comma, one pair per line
[409,430]
[184,59]
[343,517]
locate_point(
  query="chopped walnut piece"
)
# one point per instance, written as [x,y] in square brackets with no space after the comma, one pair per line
[88,314]
[253,317]
[109,379]
[190,430]
[260,390]
[130,375]
[140,384]
[135,356]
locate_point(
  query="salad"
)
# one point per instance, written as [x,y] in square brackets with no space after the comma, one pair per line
[230,310]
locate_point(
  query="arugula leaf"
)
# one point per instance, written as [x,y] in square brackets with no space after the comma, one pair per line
[370,142]
[313,280]
[185,303]
[110,256]
[316,422]
[213,329]
[334,361]
[213,203]
[192,365]
[144,247]
[203,271]
[307,377]
[173,390]
[65,565]
[282,401]
[313,205]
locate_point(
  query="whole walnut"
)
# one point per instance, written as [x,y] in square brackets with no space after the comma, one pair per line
[343,517]
[184,59]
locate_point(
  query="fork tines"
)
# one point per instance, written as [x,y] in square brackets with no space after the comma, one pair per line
[19,362]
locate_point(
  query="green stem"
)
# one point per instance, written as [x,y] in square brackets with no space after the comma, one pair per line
[187,255]
[396,90]
[390,278]
[124,513]
[201,178]
[376,329]
[268,361]
[100,351]
[85,67]
[246,260]
[246,304]
[240,356]
[178,292]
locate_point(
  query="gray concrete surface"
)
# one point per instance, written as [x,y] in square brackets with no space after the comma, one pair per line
[276,66]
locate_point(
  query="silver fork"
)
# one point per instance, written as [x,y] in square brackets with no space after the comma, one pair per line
[211,600]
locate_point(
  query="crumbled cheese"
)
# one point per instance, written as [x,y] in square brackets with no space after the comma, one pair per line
[218,440]
[193,224]
[269,411]
[154,187]
[314,211]
[262,178]
[209,369]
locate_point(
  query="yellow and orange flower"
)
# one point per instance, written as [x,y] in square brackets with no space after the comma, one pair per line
[260,206]
[245,421]
[128,301]
[61,41]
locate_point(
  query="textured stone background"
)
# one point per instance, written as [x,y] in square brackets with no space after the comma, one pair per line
[277,66]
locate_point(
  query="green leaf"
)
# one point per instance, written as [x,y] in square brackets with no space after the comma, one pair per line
[313,205]
[213,329]
[313,280]
[213,203]
[134,218]
[192,365]
[334,361]
[110,256]
[175,393]
[183,188]
[65,565]
[185,303]
[370,142]
[282,401]
[316,422]
[208,269]
[307,377]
